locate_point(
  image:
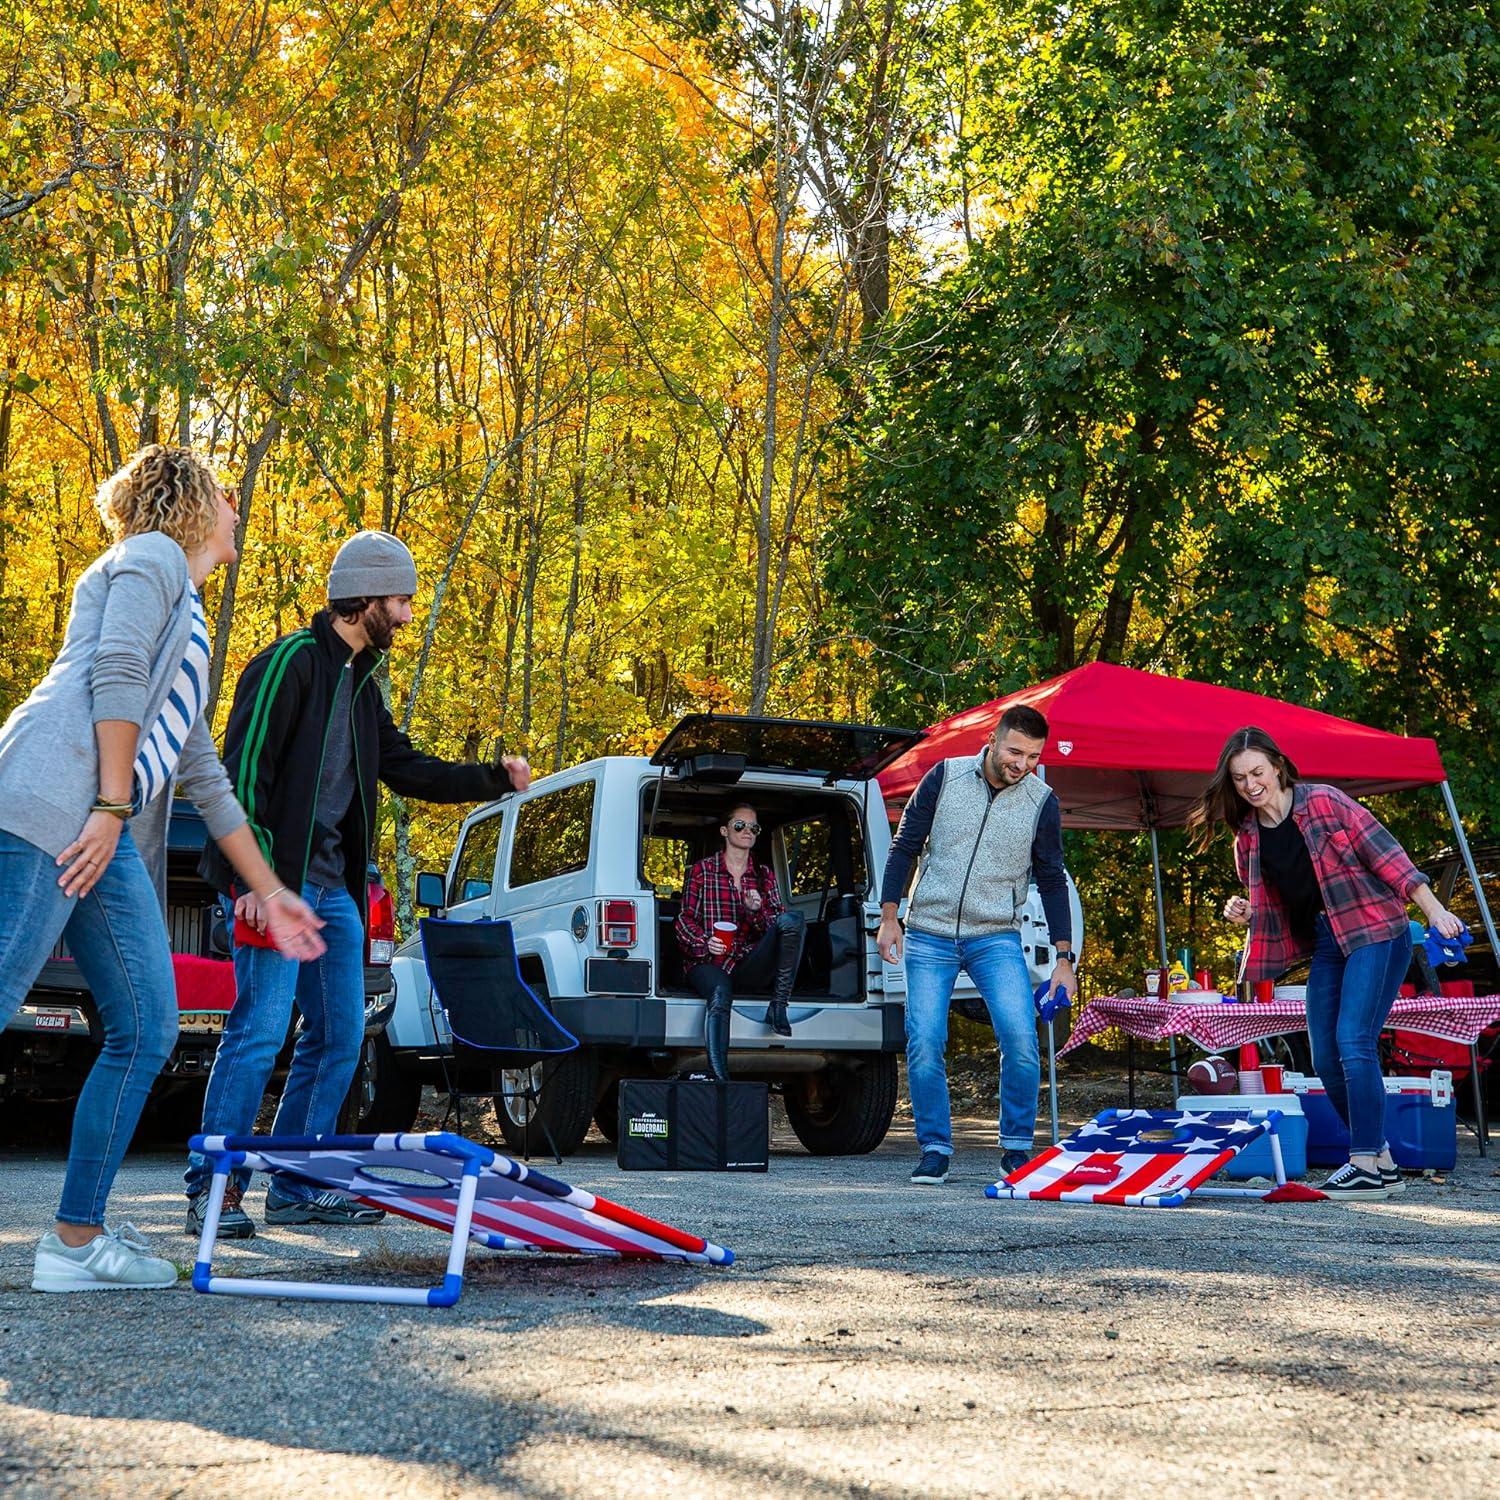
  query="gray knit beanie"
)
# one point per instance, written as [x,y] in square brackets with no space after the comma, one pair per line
[372,565]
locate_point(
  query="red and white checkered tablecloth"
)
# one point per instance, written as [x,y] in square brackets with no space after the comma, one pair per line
[1453,1018]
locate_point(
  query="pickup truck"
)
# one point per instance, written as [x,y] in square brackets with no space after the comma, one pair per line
[49,1045]
[589,866]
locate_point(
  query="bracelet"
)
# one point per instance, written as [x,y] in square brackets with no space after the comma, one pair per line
[121,810]
[271,896]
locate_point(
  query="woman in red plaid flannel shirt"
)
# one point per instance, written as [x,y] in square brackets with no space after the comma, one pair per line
[765,949]
[1327,881]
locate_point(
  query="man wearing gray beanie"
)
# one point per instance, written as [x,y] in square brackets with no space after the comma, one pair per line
[309,736]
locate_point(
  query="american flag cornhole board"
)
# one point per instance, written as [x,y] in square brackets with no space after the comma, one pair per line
[1150,1158]
[447,1182]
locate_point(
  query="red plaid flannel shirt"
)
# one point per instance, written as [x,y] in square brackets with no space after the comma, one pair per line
[1364,875]
[712,896]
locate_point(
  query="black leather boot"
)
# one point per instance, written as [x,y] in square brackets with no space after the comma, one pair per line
[791,929]
[716,1037]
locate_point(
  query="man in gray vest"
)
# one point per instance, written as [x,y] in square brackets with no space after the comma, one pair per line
[983,828]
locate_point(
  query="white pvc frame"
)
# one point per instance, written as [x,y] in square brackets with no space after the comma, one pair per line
[444,1295]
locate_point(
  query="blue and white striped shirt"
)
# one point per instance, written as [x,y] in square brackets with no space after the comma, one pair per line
[157,758]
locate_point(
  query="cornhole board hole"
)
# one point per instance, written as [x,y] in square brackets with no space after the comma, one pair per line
[445,1181]
[1152,1158]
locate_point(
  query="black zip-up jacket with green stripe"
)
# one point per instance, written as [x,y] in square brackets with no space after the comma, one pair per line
[273,751]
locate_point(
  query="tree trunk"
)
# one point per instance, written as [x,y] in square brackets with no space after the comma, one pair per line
[765,625]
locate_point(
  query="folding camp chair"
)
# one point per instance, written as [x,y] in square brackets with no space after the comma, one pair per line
[498,1024]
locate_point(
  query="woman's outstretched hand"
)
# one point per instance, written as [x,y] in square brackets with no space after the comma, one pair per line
[1446,923]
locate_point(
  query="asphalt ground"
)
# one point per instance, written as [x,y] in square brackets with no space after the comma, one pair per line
[872,1339]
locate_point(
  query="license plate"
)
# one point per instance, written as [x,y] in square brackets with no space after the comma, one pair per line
[52,1020]
[201,1020]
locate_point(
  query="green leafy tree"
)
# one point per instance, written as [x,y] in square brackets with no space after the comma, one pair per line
[1212,391]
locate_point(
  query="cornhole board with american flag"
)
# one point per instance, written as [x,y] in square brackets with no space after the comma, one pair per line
[447,1182]
[1150,1158]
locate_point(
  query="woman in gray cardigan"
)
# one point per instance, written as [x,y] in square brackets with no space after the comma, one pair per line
[88,764]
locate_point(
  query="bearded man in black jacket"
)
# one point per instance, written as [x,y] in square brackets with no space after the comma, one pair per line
[309,736]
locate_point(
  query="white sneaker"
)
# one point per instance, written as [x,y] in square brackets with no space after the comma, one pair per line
[118,1260]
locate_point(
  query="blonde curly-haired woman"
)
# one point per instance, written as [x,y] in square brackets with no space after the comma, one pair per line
[88,764]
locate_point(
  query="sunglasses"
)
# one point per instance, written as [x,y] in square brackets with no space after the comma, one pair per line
[740,825]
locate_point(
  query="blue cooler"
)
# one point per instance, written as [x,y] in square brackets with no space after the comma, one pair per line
[1255,1159]
[1421,1122]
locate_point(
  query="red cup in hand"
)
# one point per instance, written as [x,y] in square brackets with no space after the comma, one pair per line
[726,932]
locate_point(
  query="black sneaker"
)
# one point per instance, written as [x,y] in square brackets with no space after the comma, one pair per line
[1353,1182]
[1012,1161]
[324,1208]
[234,1222]
[1392,1178]
[932,1170]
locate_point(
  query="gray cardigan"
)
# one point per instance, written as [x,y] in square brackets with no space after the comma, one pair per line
[127,634]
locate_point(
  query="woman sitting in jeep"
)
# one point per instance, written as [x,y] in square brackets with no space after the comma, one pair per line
[729,890]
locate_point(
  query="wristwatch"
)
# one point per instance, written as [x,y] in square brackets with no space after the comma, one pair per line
[1067,955]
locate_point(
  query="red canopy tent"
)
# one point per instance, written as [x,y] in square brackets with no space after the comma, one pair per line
[1134,750]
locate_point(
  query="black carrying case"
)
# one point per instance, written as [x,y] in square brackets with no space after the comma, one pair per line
[681,1125]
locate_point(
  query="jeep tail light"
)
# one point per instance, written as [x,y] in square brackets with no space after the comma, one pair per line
[381,947]
[617,924]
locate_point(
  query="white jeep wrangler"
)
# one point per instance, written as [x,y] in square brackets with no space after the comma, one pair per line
[589,866]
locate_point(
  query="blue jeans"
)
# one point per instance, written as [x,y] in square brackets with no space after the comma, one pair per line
[1348,1000]
[330,993]
[118,937]
[996,965]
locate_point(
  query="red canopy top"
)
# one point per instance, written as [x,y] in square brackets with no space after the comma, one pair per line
[1130,749]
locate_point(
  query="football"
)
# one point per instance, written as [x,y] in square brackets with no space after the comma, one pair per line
[1212,1075]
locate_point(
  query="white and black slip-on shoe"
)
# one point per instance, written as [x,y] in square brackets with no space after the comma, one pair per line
[1354,1182]
[118,1260]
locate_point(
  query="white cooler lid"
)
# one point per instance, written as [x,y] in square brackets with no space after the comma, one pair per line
[1439,1086]
[1240,1104]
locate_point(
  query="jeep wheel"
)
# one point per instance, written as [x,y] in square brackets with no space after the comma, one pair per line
[384,1095]
[565,1105]
[844,1111]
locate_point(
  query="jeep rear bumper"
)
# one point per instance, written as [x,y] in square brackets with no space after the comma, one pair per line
[615,1021]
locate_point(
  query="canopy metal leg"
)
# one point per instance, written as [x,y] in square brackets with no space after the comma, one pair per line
[1481,1123]
[1161,938]
[1481,1120]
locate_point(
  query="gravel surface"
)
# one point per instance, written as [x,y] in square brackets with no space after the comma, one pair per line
[873,1339]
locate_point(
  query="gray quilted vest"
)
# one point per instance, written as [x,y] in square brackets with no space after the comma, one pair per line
[975,873]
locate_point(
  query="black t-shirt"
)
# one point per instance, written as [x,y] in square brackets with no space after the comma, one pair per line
[325,865]
[1285,862]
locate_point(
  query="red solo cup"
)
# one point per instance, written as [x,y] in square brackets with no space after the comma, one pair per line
[1265,990]
[1270,1077]
[726,932]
